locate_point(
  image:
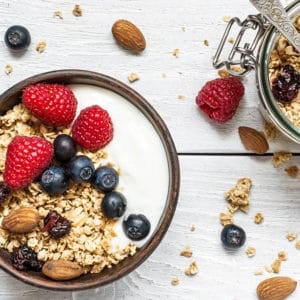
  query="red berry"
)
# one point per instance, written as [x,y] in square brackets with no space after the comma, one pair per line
[26,158]
[93,128]
[219,98]
[52,104]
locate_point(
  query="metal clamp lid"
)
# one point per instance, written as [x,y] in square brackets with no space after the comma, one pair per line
[241,55]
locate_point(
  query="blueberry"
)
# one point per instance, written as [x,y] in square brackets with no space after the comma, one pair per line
[105,179]
[17,38]
[113,205]
[64,148]
[54,180]
[233,236]
[136,227]
[80,168]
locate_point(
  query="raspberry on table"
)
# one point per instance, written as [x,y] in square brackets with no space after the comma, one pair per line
[52,104]
[219,98]
[93,128]
[26,158]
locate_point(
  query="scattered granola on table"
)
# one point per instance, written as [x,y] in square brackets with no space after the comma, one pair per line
[41,46]
[58,14]
[280,157]
[206,43]
[192,269]
[291,236]
[292,171]
[186,252]
[193,228]
[181,97]
[282,255]
[258,272]
[226,218]
[175,281]
[258,218]
[175,52]
[77,11]
[276,266]
[238,196]
[132,77]
[8,69]
[250,251]
[297,245]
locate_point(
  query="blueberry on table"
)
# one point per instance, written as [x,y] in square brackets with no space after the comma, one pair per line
[233,236]
[113,205]
[17,38]
[54,180]
[105,179]
[64,148]
[136,227]
[80,168]
[24,258]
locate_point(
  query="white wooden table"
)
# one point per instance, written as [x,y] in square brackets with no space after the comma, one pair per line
[212,157]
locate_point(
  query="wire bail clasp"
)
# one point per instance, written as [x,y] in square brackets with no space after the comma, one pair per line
[241,55]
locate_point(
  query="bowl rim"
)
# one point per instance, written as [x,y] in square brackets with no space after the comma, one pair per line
[78,76]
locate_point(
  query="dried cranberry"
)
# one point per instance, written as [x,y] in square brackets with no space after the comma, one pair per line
[4,191]
[56,225]
[285,87]
[25,259]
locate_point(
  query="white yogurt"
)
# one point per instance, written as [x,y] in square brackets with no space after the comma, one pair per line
[138,151]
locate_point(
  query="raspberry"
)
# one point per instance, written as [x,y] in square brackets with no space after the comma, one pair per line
[52,104]
[219,98]
[26,158]
[93,128]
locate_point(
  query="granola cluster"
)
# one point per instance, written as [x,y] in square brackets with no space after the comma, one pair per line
[284,54]
[89,242]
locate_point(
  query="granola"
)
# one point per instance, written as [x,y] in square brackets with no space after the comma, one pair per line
[280,157]
[284,54]
[77,11]
[258,218]
[291,236]
[187,252]
[89,242]
[292,171]
[238,196]
[41,46]
[192,269]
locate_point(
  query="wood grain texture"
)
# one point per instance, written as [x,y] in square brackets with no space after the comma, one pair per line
[86,43]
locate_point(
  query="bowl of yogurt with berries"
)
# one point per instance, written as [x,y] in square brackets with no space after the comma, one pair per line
[89,180]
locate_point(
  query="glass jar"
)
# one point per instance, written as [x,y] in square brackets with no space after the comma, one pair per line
[249,58]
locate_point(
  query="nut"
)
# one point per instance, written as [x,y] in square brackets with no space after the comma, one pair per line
[276,288]
[128,36]
[21,220]
[253,140]
[61,269]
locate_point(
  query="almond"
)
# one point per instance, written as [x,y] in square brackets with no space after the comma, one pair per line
[253,140]
[21,220]
[276,288]
[128,36]
[61,269]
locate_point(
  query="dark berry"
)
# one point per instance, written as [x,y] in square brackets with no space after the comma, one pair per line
[80,168]
[4,191]
[136,227]
[64,148]
[105,179]
[17,37]
[54,180]
[113,205]
[24,258]
[233,236]
[286,85]
[56,225]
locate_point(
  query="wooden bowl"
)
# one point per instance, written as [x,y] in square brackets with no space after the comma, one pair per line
[12,96]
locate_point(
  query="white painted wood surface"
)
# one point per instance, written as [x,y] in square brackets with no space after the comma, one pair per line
[86,43]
